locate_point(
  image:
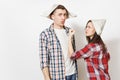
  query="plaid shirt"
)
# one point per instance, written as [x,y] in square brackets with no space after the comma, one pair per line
[96,60]
[51,55]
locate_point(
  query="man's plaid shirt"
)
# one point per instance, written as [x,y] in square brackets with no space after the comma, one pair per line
[96,60]
[51,55]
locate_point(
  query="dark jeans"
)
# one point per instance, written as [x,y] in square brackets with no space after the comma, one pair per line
[71,77]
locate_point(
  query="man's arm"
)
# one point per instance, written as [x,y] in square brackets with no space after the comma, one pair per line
[43,48]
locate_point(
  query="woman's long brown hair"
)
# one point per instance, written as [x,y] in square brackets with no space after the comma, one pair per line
[96,39]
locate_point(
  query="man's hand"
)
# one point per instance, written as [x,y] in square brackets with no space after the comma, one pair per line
[47,78]
[46,73]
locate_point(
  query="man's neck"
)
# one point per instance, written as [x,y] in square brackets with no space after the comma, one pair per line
[58,27]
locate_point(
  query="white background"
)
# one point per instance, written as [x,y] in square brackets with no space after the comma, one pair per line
[21,24]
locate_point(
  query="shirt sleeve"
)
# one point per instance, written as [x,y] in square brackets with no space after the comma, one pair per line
[43,50]
[85,52]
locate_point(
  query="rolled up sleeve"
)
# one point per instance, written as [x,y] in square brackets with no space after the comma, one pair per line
[43,50]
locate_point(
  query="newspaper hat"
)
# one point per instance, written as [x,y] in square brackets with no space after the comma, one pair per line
[99,25]
[51,9]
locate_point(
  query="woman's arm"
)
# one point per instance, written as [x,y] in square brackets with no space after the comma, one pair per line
[70,46]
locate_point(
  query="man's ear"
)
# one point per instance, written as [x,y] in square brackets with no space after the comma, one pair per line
[52,17]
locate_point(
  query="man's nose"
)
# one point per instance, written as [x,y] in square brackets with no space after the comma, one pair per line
[63,17]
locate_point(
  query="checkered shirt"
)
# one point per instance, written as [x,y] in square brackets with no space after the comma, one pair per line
[51,55]
[96,60]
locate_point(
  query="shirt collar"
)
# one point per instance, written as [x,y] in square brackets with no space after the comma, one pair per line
[51,28]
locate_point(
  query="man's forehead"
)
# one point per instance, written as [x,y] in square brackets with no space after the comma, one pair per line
[60,11]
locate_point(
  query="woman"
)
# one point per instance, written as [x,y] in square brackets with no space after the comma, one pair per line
[95,52]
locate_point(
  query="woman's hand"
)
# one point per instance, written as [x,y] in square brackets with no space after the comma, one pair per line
[75,55]
[71,32]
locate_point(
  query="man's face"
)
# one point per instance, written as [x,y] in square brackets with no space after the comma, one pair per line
[59,17]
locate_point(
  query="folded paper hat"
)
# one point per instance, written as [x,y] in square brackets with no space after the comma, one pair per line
[99,25]
[51,9]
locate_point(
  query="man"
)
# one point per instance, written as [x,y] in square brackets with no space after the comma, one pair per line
[55,61]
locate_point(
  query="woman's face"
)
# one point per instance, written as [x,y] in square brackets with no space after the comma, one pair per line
[90,30]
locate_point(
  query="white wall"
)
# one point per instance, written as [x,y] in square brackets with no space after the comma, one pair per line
[21,24]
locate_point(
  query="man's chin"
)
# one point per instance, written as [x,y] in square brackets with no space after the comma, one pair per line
[62,25]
